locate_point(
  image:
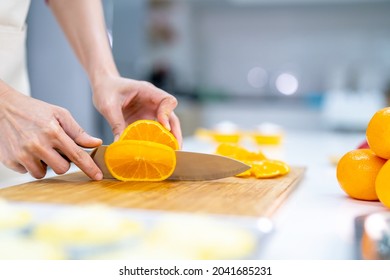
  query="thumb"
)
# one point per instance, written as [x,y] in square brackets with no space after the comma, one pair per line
[117,122]
[166,108]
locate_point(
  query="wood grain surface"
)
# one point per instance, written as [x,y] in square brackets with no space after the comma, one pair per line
[229,196]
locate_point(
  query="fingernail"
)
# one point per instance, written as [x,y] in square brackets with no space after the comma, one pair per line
[97,139]
[99,176]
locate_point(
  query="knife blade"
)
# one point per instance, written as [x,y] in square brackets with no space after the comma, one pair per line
[190,166]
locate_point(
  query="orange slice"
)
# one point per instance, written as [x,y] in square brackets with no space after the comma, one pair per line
[148,130]
[269,168]
[246,173]
[228,138]
[135,160]
[238,152]
[262,139]
[261,167]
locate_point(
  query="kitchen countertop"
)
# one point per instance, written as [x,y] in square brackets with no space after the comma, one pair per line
[317,220]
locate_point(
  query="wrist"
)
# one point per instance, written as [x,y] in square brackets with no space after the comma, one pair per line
[98,75]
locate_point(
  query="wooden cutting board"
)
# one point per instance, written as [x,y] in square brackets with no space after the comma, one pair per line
[229,196]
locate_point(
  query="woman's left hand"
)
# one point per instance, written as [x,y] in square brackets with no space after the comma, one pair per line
[122,101]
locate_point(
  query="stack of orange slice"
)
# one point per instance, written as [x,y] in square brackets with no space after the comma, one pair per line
[261,167]
[144,152]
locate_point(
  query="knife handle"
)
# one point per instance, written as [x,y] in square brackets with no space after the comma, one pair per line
[90,151]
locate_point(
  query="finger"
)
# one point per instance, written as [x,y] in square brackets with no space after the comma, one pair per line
[53,159]
[117,123]
[35,167]
[15,166]
[74,130]
[67,140]
[115,118]
[30,163]
[165,110]
[176,128]
[50,157]
[79,157]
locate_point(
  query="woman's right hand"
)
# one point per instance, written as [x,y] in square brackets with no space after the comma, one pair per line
[34,134]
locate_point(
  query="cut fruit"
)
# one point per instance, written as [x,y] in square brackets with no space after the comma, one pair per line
[226,138]
[269,168]
[268,134]
[148,130]
[226,132]
[261,167]
[238,152]
[246,173]
[135,160]
[267,139]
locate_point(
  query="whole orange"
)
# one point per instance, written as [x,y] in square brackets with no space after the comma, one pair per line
[378,133]
[382,184]
[357,171]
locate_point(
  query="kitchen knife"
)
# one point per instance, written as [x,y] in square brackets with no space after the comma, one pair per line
[189,165]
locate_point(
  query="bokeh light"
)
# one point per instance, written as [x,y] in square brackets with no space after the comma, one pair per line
[257,77]
[287,83]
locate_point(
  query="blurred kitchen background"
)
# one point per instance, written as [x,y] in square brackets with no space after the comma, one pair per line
[302,64]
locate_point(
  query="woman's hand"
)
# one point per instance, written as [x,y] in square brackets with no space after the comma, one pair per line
[33,132]
[122,101]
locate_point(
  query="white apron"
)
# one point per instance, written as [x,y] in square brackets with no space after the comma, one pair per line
[13,27]
[13,70]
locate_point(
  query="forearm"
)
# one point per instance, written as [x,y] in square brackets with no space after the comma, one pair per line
[83,23]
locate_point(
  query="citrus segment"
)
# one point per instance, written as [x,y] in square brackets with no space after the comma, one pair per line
[226,131]
[148,130]
[238,152]
[267,139]
[357,171]
[378,131]
[228,138]
[135,160]
[269,168]
[246,173]
[268,134]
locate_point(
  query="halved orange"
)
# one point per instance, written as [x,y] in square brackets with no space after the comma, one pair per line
[269,168]
[137,160]
[148,130]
